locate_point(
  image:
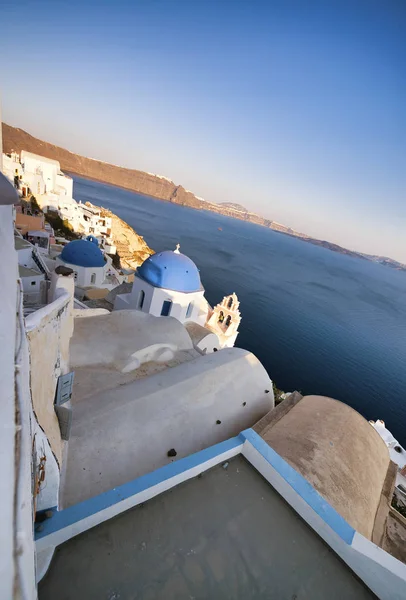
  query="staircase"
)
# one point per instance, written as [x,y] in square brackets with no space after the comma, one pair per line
[39,261]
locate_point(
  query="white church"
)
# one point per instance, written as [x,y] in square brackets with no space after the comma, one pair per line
[168,284]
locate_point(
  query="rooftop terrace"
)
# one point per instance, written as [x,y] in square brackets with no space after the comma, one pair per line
[224,534]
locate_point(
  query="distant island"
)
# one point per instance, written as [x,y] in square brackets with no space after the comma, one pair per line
[150,184]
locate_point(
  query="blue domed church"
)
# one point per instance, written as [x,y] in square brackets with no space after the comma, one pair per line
[86,260]
[167,284]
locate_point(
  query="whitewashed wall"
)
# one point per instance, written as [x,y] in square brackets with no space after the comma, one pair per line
[17,567]
[155,297]
[66,183]
[8,275]
[49,331]
[49,169]
[84,274]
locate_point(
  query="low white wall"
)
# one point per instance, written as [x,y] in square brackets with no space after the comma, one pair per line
[24,514]
[9,276]
[17,578]
[204,340]
[80,313]
[208,344]
[31,284]
[49,331]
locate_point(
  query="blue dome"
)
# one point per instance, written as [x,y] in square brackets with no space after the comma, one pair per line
[94,240]
[82,253]
[171,270]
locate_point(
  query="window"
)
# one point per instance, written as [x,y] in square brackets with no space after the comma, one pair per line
[228,321]
[75,275]
[141,298]
[230,303]
[166,308]
[32,282]
[93,278]
[189,310]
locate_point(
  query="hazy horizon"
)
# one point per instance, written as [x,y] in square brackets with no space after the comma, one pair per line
[293,109]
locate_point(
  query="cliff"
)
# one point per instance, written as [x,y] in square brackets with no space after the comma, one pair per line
[131,247]
[137,181]
[158,187]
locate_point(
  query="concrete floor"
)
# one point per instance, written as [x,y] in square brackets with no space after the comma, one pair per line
[227,534]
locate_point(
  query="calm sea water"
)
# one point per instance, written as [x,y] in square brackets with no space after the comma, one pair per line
[319,322]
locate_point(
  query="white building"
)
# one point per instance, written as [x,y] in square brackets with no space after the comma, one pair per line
[40,172]
[64,184]
[398,456]
[33,272]
[86,260]
[88,220]
[167,284]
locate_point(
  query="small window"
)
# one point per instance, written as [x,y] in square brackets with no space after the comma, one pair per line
[141,298]
[75,275]
[32,282]
[93,278]
[230,303]
[189,310]
[166,308]
[228,321]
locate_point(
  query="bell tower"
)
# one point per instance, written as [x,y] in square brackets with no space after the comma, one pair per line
[225,319]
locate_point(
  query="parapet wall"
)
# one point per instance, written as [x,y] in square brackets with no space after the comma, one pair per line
[49,330]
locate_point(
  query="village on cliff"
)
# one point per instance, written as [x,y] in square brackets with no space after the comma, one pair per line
[144,456]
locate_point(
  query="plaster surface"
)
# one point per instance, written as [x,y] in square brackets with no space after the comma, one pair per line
[49,331]
[337,451]
[126,339]
[121,433]
[226,534]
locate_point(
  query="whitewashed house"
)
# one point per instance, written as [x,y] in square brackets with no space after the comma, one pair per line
[86,260]
[40,172]
[167,284]
[33,272]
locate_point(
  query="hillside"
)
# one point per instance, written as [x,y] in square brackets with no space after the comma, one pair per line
[137,181]
[234,206]
[131,247]
[158,187]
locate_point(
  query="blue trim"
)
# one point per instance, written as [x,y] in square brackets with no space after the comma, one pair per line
[301,487]
[78,512]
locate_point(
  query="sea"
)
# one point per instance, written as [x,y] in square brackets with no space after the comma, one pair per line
[320,322]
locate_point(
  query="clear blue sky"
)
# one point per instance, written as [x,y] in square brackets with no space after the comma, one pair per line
[296,109]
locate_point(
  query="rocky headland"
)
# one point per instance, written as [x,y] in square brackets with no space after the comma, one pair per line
[159,187]
[132,249]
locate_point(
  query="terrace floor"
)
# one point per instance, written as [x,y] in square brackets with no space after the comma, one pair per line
[225,534]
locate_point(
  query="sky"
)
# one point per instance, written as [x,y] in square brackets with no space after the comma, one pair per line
[294,108]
